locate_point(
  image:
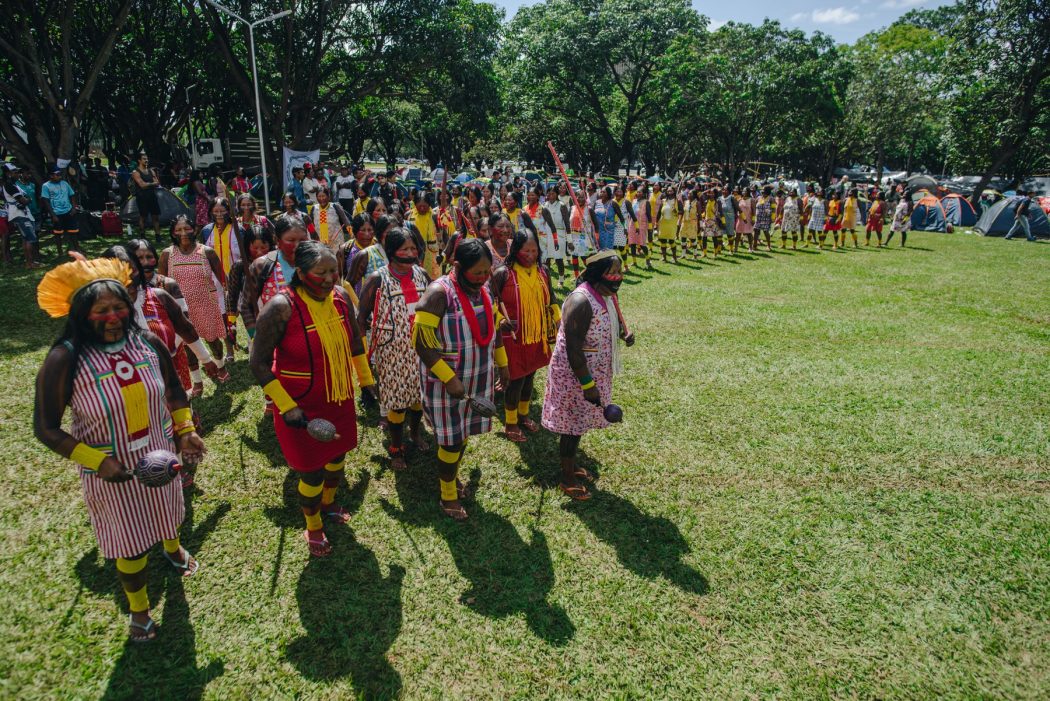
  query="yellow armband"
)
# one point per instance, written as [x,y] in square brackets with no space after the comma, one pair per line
[500,356]
[87,456]
[349,290]
[442,371]
[281,399]
[364,372]
[556,312]
[183,419]
[425,326]
[499,318]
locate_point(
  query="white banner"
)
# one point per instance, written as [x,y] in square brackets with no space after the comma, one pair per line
[295,159]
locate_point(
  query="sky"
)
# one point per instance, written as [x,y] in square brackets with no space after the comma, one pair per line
[845,20]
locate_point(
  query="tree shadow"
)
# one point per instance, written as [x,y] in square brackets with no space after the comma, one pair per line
[508,576]
[167,667]
[649,546]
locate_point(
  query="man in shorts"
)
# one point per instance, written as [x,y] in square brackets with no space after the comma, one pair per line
[59,202]
[19,217]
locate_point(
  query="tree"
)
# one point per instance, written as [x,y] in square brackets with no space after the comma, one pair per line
[52,56]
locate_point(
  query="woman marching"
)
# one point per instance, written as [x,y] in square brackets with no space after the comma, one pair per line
[834,221]
[198,194]
[501,230]
[638,235]
[522,290]
[581,224]
[389,299]
[586,357]
[606,214]
[745,223]
[901,220]
[195,268]
[763,218]
[850,216]
[120,385]
[552,243]
[669,210]
[258,241]
[876,217]
[690,225]
[789,220]
[710,226]
[625,218]
[223,237]
[816,211]
[363,237]
[305,343]
[456,341]
[728,209]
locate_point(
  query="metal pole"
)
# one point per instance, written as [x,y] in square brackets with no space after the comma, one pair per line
[258,117]
[189,123]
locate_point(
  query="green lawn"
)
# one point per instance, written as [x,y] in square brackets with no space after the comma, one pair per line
[832,481]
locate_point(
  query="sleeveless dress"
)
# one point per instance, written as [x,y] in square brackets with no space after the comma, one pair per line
[109,414]
[790,223]
[194,275]
[525,359]
[454,420]
[391,352]
[428,230]
[764,214]
[565,410]
[153,315]
[668,226]
[850,212]
[743,222]
[298,362]
[603,212]
[547,240]
[689,231]
[638,233]
[619,230]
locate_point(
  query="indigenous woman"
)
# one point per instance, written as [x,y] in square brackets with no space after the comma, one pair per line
[709,226]
[258,241]
[125,401]
[426,224]
[805,210]
[582,226]
[606,214]
[623,221]
[745,223]
[690,224]
[522,290]
[271,274]
[833,224]
[669,211]
[249,218]
[586,356]
[457,345]
[363,237]
[223,237]
[850,215]
[789,221]
[239,184]
[728,209]
[389,298]
[901,221]
[201,199]
[816,217]
[501,229]
[195,268]
[446,216]
[763,218]
[638,233]
[290,206]
[552,243]
[305,340]
[876,217]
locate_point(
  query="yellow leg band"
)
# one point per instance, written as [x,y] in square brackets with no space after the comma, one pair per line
[442,371]
[281,399]
[395,417]
[87,456]
[125,566]
[511,417]
[447,456]
[448,490]
[417,406]
[172,546]
[313,521]
[500,356]
[523,407]
[334,466]
[309,490]
[138,601]
[364,371]
[328,495]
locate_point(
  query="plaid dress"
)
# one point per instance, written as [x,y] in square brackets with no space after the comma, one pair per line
[453,420]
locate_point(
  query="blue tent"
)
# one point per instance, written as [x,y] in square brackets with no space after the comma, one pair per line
[958,210]
[928,215]
[998,218]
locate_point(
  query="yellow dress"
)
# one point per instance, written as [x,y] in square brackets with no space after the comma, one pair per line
[849,213]
[689,221]
[428,230]
[668,220]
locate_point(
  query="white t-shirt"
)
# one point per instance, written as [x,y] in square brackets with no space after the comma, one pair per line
[14,210]
[343,189]
[310,188]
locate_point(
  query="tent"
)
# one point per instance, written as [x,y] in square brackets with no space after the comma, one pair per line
[171,206]
[998,218]
[921,181]
[958,210]
[919,195]
[928,215]
[464,177]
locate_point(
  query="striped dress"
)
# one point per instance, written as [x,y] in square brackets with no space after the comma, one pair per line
[454,420]
[395,361]
[127,517]
[153,315]
[194,275]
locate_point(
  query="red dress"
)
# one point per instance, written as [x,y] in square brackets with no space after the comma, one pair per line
[298,362]
[157,321]
[526,358]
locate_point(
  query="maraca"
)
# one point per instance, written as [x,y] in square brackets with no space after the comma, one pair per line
[482,406]
[157,467]
[321,430]
[613,413]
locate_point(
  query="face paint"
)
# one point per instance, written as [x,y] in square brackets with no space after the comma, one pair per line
[108,317]
[287,249]
[317,285]
[478,279]
[404,260]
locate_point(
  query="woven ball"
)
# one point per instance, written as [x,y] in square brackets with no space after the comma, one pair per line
[321,430]
[483,406]
[613,413]
[157,467]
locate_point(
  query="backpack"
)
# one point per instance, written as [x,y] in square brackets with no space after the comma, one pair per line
[111,224]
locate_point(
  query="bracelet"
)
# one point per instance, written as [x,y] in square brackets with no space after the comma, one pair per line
[87,456]
[500,356]
[200,350]
[281,399]
[442,371]
[181,416]
[556,312]
[183,428]
[586,382]
[364,372]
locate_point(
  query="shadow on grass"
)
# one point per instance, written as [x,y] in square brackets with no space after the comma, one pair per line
[350,611]
[167,667]
[508,576]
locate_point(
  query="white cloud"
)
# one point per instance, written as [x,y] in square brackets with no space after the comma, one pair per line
[799,16]
[901,4]
[835,15]
[715,24]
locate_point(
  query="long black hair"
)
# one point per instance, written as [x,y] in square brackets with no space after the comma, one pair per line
[307,254]
[120,251]
[79,331]
[395,238]
[518,242]
[594,271]
[470,251]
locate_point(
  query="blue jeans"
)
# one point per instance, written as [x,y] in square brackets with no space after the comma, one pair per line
[1021,222]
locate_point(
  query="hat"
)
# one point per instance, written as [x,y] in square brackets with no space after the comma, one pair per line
[56,291]
[307,165]
[601,255]
[10,166]
[54,170]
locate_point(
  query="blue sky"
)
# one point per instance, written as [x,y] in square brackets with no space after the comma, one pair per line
[846,20]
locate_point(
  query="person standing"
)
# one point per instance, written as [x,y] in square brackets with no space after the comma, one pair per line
[120,386]
[19,218]
[311,184]
[690,225]
[1021,214]
[790,222]
[345,189]
[817,217]
[426,223]
[901,221]
[552,243]
[455,323]
[147,185]
[223,237]
[729,209]
[239,184]
[745,223]
[876,217]
[670,218]
[638,235]
[59,202]
[198,196]
[850,216]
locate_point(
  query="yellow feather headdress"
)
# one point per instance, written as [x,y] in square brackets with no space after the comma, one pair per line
[55,292]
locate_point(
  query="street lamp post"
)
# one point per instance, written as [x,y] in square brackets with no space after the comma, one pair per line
[255,79]
[189,124]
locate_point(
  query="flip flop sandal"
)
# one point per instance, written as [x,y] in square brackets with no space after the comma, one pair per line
[529,425]
[456,513]
[189,565]
[197,390]
[577,493]
[515,436]
[146,628]
[462,493]
[318,548]
[224,376]
[336,513]
[585,474]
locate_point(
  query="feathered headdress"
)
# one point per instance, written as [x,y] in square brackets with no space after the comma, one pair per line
[55,292]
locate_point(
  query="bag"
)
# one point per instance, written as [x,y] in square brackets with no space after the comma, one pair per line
[111,224]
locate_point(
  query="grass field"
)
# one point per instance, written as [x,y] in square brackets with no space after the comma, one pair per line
[832,482]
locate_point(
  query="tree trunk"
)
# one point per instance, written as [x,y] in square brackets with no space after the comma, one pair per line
[986,177]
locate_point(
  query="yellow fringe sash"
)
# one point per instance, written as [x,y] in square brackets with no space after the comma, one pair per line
[335,345]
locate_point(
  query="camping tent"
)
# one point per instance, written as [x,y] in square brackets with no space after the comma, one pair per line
[958,210]
[921,181]
[928,215]
[997,219]
[171,206]
[920,194]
